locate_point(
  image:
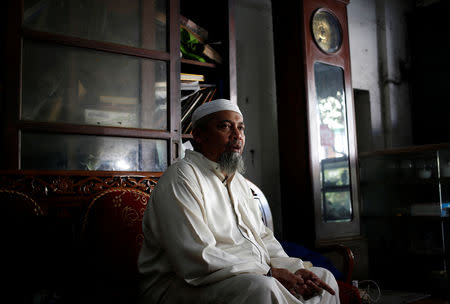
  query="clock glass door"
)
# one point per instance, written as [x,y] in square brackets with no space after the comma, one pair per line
[333,146]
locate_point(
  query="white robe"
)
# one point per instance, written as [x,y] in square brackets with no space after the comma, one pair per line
[202,234]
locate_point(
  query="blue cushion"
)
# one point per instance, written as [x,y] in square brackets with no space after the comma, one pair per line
[298,251]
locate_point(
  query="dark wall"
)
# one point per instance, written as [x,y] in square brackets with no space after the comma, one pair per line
[430,62]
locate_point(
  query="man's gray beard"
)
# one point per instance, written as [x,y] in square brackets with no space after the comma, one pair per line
[230,162]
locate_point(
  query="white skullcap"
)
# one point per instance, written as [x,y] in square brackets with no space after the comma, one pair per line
[212,107]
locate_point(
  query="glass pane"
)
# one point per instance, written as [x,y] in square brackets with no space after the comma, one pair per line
[65,84]
[400,184]
[136,23]
[444,163]
[333,150]
[40,151]
[336,205]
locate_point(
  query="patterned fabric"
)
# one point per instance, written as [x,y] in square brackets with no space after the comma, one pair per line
[112,232]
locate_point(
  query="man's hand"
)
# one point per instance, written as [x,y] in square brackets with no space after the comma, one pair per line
[293,282]
[313,284]
[303,282]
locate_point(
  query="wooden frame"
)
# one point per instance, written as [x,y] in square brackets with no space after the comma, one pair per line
[340,59]
[295,55]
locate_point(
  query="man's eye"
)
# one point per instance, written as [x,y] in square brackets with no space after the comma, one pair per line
[241,128]
[224,126]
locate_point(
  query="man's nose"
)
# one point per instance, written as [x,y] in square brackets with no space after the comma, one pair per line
[236,133]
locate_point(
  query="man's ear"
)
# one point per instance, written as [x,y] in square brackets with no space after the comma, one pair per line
[196,135]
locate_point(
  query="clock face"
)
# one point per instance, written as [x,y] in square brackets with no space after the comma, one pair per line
[326,31]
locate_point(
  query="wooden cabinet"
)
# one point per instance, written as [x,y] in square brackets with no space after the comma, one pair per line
[90,101]
[319,180]
[95,85]
[404,215]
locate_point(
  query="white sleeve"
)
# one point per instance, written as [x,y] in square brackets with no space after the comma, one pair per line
[277,255]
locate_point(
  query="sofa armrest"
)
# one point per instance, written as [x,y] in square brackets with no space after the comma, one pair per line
[345,254]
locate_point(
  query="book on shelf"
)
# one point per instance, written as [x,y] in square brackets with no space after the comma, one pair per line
[191,77]
[198,33]
[190,86]
[192,102]
[188,105]
[212,54]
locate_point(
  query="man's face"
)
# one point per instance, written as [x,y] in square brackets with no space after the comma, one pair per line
[224,132]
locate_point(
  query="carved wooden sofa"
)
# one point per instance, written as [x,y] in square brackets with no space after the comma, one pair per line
[85,230]
[85,222]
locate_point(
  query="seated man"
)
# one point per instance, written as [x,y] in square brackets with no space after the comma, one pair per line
[205,241]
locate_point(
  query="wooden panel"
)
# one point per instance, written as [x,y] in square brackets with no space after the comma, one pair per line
[232,52]
[91,130]
[67,193]
[10,109]
[295,175]
[174,82]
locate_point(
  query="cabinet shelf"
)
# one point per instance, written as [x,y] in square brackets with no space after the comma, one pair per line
[198,63]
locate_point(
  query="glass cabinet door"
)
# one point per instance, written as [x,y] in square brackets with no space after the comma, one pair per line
[405,211]
[135,23]
[42,151]
[79,86]
[333,151]
[94,86]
